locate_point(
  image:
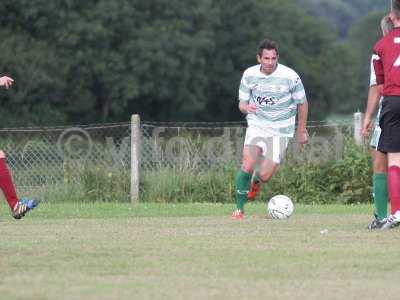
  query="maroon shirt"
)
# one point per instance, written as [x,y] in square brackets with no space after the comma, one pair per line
[387,62]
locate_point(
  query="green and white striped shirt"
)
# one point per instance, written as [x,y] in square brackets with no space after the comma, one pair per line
[276,96]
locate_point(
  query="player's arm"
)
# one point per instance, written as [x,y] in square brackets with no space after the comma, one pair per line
[374,92]
[299,96]
[302,113]
[244,97]
[372,102]
[6,81]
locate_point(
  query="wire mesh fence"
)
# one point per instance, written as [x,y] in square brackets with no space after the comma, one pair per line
[42,157]
[198,162]
[98,157]
[204,145]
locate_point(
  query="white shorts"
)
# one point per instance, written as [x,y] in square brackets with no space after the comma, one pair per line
[375,137]
[377,130]
[273,147]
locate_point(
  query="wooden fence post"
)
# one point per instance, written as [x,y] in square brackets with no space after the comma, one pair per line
[135,158]
[358,120]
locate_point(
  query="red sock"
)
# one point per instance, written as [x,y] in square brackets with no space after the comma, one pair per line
[394,188]
[7,185]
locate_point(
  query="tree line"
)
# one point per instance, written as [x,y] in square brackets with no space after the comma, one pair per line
[168,60]
[343,14]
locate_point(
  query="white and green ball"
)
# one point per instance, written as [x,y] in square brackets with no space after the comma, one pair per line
[280,207]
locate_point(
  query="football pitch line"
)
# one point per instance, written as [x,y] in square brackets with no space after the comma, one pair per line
[195,251]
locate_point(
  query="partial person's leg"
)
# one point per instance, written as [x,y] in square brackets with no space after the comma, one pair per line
[389,142]
[380,185]
[243,177]
[267,169]
[394,181]
[18,207]
[273,153]
[6,183]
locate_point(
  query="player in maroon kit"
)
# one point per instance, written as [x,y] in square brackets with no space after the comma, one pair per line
[387,67]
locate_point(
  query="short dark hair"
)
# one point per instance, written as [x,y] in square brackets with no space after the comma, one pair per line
[396,7]
[267,44]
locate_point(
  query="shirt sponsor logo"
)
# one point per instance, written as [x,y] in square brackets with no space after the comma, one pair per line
[266,101]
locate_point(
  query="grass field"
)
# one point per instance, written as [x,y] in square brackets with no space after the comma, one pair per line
[194,251]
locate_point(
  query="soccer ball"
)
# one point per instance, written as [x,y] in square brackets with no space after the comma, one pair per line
[280,207]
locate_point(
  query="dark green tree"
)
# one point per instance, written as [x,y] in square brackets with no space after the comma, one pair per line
[100,60]
[306,45]
[37,97]
[362,37]
[342,14]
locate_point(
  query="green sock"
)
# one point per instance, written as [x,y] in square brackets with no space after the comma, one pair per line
[242,184]
[380,194]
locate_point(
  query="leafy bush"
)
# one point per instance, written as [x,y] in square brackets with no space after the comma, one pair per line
[105,184]
[346,180]
[90,183]
[176,185]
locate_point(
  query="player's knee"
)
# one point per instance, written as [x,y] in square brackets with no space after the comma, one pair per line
[379,162]
[268,171]
[265,177]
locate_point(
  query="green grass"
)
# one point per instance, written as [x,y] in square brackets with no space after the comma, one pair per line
[194,251]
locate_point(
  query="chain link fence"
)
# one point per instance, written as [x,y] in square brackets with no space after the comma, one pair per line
[98,157]
[202,146]
[43,157]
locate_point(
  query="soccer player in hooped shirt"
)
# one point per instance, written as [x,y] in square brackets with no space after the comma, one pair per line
[18,207]
[387,68]
[379,159]
[270,95]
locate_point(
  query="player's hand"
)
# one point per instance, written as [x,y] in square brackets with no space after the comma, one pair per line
[302,137]
[6,81]
[366,127]
[251,108]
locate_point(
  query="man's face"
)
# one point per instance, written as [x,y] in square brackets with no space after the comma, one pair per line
[268,61]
